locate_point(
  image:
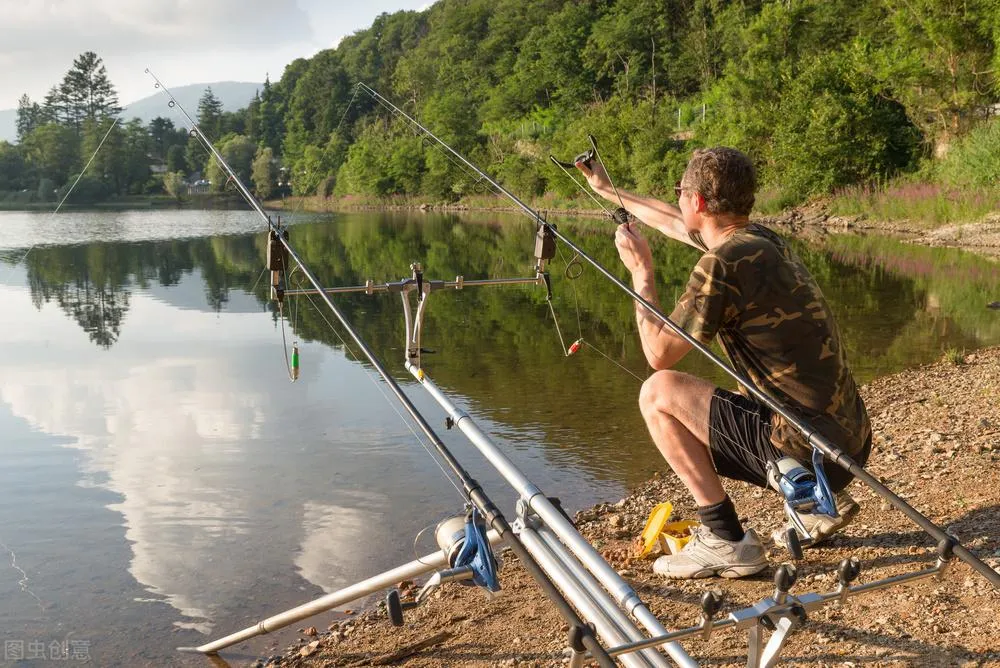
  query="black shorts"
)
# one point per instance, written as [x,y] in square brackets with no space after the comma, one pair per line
[739,438]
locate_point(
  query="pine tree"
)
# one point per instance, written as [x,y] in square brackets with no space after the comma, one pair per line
[54,107]
[210,115]
[87,92]
[210,122]
[29,117]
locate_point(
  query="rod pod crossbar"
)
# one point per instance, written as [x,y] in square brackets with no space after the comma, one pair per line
[812,436]
[581,635]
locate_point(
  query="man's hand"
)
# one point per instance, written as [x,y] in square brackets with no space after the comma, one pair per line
[596,175]
[633,249]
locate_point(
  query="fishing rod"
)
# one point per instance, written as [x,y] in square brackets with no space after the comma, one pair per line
[581,637]
[948,545]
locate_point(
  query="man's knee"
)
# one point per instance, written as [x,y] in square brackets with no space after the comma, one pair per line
[659,393]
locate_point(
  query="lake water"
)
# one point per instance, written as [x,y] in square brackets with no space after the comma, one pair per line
[164,484]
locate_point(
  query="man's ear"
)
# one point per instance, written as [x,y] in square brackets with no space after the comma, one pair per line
[699,202]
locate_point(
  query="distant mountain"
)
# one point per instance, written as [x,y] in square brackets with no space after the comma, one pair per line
[234,95]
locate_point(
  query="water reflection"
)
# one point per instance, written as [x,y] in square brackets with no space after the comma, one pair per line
[238,493]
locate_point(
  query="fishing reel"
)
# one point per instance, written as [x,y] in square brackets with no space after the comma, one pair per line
[466,548]
[804,491]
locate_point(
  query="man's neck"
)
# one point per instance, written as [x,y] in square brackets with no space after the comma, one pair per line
[715,231]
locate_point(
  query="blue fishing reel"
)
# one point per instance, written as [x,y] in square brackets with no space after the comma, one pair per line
[467,549]
[477,554]
[805,492]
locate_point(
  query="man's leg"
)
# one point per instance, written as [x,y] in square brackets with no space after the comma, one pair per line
[677,410]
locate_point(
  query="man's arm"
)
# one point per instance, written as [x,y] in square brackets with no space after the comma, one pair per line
[661,346]
[661,216]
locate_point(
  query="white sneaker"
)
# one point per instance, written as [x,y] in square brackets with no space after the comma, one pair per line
[706,554]
[819,526]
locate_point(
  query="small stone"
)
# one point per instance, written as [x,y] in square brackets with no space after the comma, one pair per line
[309,649]
[311,631]
[615,520]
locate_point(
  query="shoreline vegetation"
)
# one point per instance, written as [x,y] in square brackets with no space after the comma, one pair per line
[980,235]
[937,444]
[931,217]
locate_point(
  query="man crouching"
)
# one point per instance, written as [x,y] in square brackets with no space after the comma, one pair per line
[772,320]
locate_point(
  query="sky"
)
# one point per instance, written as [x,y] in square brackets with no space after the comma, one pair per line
[181,41]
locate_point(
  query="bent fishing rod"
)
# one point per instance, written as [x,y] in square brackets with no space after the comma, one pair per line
[947,544]
[581,635]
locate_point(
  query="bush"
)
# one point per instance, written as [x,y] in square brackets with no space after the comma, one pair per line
[974,160]
[832,130]
[88,190]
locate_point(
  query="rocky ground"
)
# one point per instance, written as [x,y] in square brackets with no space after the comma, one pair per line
[937,444]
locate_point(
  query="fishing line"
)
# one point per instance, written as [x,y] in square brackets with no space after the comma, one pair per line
[617,364]
[257,282]
[284,344]
[429,141]
[391,403]
[72,187]
[585,190]
[593,143]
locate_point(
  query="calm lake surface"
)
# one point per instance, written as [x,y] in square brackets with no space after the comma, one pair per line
[164,484]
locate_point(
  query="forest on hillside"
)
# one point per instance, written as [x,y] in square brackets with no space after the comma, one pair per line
[823,94]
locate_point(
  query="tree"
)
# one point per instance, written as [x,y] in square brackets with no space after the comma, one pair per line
[54,107]
[163,135]
[238,152]
[173,183]
[210,123]
[29,117]
[52,150]
[265,172]
[135,158]
[937,62]
[175,159]
[210,115]
[12,168]
[87,93]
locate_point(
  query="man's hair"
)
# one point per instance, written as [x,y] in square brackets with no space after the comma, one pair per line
[724,177]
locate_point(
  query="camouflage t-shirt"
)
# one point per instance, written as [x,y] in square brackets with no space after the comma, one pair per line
[777,330]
